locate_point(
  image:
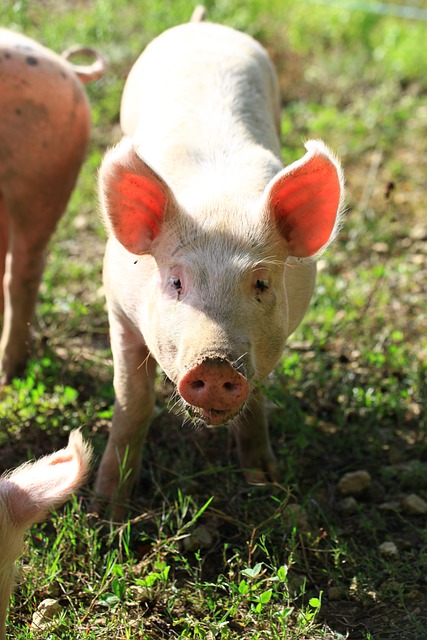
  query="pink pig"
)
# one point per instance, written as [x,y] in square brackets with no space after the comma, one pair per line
[27,495]
[209,263]
[44,133]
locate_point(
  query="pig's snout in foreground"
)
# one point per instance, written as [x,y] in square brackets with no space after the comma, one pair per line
[215,389]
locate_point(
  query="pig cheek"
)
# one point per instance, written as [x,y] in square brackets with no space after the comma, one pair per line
[156,314]
[165,338]
[166,356]
[269,337]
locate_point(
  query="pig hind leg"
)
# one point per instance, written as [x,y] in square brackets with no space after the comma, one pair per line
[134,374]
[3,248]
[30,222]
[253,442]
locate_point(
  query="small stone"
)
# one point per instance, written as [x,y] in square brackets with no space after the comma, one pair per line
[296,583]
[81,222]
[296,517]
[322,265]
[391,505]
[392,586]
[100,621]
[348,505]
[414,505]
[336,593]
[380,247]
[419,232]
[389,550]
[354,482]
[139,593]
[46,612]
[200,538]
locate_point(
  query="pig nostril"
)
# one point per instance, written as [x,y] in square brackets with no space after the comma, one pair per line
[229,386]
[197,385]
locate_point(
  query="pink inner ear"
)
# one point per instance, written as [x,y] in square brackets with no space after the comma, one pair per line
[142,203]
[305,204]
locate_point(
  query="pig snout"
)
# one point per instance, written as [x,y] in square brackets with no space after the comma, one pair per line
[215,389]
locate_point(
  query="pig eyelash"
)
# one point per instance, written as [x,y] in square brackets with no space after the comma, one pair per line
[176,283]
[261,285]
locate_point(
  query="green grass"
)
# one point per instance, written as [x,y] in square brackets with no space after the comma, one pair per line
[204,555]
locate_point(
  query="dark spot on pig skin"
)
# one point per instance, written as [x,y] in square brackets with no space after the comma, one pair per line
[7,55]
[64,75]
[18,111]
[168,347]
[31,61]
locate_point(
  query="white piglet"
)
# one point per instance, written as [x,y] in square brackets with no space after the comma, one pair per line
[208,267]
[27,494]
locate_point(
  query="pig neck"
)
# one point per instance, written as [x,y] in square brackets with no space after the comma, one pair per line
[214,149]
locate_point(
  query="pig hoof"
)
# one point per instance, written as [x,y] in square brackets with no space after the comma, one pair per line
[105,508]
[258,477]
[9,371]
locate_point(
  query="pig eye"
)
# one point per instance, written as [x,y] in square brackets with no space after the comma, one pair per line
[261,285]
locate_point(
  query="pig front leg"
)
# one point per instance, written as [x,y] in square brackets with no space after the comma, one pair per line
[134,374]
[253,442]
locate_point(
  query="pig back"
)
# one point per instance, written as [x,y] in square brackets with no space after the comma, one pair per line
[45,120]
[201,92]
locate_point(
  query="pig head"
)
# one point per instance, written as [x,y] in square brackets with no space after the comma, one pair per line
[27,494]
[209,262]
[44,132]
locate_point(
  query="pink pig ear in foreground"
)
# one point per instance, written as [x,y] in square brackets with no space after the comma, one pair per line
[133,197]
[35,488]
[304,200]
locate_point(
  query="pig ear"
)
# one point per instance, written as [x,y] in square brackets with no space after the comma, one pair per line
[133,196]
[35,488]
[304,200]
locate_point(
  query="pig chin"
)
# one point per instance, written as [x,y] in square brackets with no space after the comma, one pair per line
[213,417]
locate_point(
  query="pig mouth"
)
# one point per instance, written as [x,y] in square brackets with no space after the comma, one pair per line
[214,417]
